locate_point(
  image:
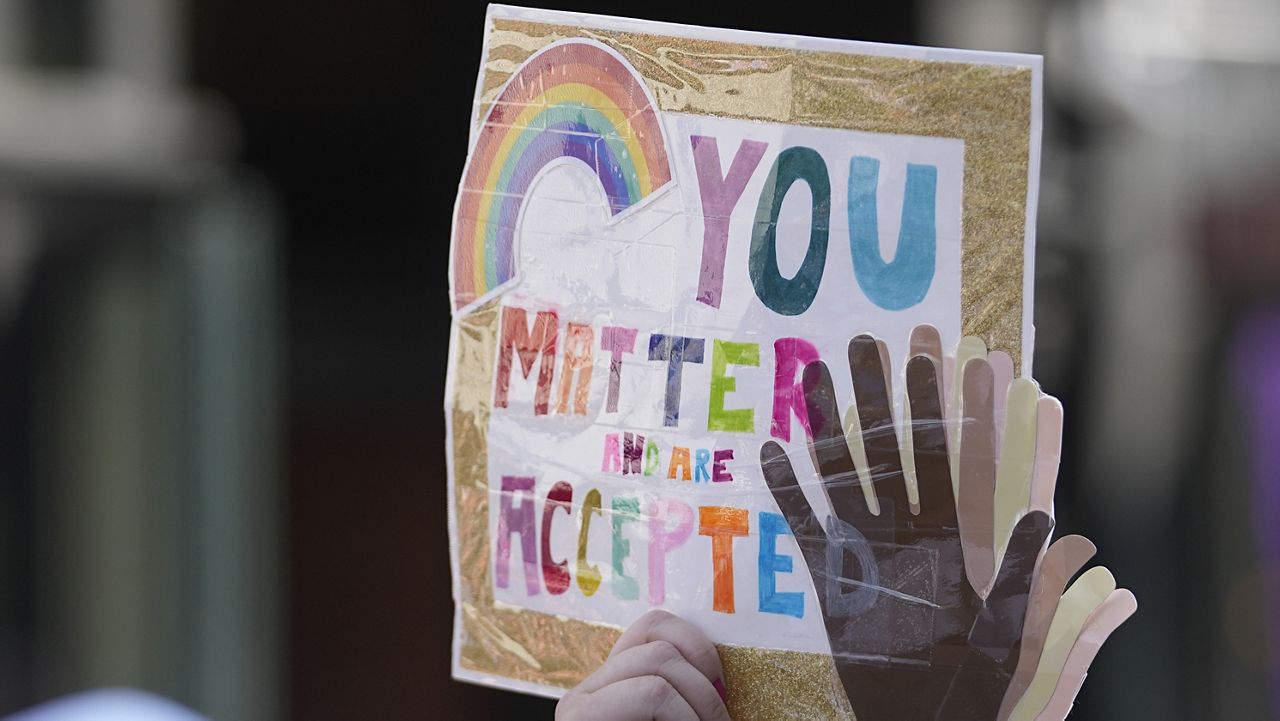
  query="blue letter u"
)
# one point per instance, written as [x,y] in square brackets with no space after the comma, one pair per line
[905,280]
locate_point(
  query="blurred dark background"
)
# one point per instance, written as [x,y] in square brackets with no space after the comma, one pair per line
[224,229]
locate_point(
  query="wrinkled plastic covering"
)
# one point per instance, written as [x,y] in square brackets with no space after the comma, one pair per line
[923,604]
[671,386]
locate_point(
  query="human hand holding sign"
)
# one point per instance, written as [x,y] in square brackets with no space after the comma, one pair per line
[911,636]
[662,667]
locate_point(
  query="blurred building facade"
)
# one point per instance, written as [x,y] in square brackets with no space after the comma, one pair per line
[139,318]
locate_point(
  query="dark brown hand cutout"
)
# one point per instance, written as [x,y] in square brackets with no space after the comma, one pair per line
[910,636]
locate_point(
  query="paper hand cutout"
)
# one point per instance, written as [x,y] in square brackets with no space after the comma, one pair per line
[1063,631]
[912,637]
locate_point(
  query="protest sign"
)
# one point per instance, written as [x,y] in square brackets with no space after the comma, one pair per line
[657,229]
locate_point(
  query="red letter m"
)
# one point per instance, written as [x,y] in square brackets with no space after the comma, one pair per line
[528,344]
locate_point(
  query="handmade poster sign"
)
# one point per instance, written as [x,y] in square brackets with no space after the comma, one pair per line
[742,330]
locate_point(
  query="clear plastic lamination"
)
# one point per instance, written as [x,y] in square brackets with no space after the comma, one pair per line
[911,523]
[664,241]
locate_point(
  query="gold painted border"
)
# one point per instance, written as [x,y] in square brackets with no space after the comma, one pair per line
[987,106]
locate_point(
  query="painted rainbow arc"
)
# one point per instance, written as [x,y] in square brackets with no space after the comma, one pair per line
[571,100]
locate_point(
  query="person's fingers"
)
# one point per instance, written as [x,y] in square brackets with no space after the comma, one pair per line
[977,473]
[1064,559]
[663,659]
[658,625]
[795,507]
[1048,453]
[933,469]
[829,448]
[879,438]
[643,698]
